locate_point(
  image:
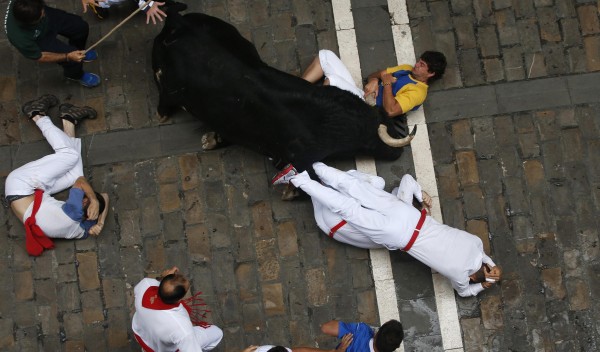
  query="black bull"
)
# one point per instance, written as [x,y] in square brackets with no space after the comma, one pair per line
[203,65]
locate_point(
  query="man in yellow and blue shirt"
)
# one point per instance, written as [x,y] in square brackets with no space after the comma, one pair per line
[397,89]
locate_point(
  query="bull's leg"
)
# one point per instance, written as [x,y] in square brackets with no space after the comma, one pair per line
[165,109]
[212,140]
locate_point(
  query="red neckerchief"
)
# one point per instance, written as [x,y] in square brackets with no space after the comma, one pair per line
[151,300]
[35,239]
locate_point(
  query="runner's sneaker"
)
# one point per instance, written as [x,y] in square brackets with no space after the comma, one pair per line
[74,114]
[89,80]
[90,56]
[40,105]
[284,176]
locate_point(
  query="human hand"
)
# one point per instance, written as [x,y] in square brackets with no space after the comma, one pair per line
[93,209]
[173,270]
[427,201]
[494,273]
[154,13]
[250,348]
[372,88]
[346,341]
[86,3]
[387,79]
[76,56]
[96,229]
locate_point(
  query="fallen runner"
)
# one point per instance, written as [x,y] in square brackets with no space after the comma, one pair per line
[29,188]
[353,208]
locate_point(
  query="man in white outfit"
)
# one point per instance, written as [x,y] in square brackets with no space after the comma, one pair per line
[162,323]
[353,208]
[29,188]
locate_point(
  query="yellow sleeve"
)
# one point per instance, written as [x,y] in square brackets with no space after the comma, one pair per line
[410,96]
[398,68]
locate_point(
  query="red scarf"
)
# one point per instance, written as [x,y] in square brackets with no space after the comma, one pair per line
[35,239]
[151,300]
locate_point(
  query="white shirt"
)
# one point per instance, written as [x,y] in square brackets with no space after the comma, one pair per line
[53,220]
[170,330]
[379,219]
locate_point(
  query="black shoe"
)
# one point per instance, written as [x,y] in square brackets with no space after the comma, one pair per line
[40,105]
[74,114]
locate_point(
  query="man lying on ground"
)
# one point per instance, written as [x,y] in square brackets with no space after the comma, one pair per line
[353,208]
[29,188]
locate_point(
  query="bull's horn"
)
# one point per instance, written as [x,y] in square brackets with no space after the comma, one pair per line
[394,142]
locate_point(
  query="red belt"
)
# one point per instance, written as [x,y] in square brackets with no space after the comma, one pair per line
[417,231]
[336,227]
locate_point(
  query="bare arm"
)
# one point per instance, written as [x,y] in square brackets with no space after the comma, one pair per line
[373,83]
[331,328]
[97,228]
[93,208]
[73,56]
[390,104]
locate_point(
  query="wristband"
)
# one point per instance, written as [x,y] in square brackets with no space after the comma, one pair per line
[66,57]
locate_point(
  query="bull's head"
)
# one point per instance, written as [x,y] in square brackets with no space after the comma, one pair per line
[395,142]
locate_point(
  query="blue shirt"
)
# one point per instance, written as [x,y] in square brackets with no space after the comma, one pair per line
[73,207]
[362,335]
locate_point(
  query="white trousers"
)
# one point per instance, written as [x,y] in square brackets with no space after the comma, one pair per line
[337,73]
[52,173]
[374,213]
[211,336]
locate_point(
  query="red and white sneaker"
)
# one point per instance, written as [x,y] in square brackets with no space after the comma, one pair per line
[284,176]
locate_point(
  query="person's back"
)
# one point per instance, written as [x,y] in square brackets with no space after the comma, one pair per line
[159,325]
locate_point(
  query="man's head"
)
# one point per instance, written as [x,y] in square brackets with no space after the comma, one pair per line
[86,203]
[389,337]
[173,288]
[430,67]
[478,276]
[28,11]
[278,349]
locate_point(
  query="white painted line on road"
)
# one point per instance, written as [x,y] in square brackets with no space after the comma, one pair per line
[423,160]
[382,273]
[385,289]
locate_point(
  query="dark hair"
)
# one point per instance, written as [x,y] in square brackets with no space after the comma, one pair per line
[479,275]
[171,288]
[28,11]
[101,205]
[436,64]
[101,202]
[278,349]
[389,337]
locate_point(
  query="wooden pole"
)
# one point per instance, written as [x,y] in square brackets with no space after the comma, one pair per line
[118,25]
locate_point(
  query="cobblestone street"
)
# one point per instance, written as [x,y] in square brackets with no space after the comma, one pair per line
[514,129]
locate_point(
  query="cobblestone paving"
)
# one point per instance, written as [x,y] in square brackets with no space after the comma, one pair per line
[521,172]
[266,272]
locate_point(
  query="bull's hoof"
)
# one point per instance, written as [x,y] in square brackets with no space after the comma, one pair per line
[290,192]
[213,140]
[163,119]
